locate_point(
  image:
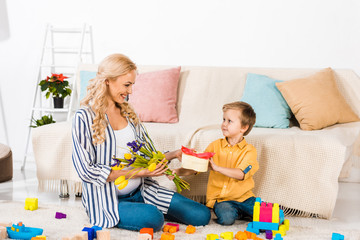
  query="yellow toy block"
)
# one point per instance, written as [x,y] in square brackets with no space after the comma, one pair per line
[227,235]
[287,224]
[275,213]
[282,230]
[212,236]
[40,237]
[256,214]
[31,204]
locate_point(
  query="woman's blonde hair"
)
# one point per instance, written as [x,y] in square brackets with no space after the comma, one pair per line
[109,69]
[247,113]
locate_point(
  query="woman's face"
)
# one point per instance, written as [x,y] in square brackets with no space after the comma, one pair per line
[119,88]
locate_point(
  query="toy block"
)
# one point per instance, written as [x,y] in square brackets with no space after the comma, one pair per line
[266,225]
[212,236]
[275,213]
[227,235]
[266,212]
[250,235]
[149,231]
[103,235]
[41,237]
[167,236]
[3,233]
[287,224]
[282,216]
[257,238]
[96,228]
[241,236]
[250,228]
[268,234]
[256,214]
[144,236]
[190,229]
[337,236]
[59,215]
[171,229]
[80,236]
[282,230]
[31,204]
[90,231]
[278,237]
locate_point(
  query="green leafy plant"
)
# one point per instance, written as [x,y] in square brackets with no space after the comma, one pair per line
[46,119]
[56,85]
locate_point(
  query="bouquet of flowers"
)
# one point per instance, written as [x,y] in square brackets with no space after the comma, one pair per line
[141,156]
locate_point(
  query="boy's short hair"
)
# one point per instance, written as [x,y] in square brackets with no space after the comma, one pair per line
[247,113]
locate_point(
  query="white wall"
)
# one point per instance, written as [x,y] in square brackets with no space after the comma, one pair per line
[260,33]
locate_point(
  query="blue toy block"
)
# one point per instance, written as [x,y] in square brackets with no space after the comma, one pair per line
[278,237]
[250,228]
[337,236]
[90,231]
[96,228]
[266,225]
[282,216]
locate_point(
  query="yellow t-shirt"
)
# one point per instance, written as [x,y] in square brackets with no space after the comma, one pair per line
[222,188]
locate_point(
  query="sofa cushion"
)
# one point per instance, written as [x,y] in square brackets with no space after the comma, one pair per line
[85,77]
[154,96]
[316,101]
[269,105]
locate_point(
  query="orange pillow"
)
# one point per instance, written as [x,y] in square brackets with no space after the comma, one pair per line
[154,95]
[316,101]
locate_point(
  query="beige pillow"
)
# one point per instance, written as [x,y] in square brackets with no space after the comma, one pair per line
[316,101]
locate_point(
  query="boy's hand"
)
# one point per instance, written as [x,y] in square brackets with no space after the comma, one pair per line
[213,166]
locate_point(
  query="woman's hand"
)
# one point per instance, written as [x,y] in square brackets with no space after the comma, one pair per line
[159,170]
[171,177]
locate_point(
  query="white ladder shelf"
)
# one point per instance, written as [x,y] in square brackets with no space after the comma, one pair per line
[56,58]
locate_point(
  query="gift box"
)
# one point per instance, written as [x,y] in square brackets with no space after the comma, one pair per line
[194,160]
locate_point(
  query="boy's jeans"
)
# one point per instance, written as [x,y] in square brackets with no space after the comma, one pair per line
[135,214]
[229,211]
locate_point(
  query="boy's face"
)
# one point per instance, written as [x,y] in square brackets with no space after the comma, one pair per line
[231,126]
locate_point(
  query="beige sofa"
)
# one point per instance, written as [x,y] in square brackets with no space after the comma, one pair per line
[298,169]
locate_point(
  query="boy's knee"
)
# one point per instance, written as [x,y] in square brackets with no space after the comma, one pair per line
[225,213]
[226,218]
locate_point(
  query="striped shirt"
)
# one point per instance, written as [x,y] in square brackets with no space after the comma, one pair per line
[93,165]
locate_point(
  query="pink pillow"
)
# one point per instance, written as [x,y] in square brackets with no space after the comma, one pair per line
[154,96]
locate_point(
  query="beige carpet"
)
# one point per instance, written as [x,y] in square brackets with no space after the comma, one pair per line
[44,217]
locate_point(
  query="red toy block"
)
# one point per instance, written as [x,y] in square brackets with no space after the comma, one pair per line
[266,212]
[148,230]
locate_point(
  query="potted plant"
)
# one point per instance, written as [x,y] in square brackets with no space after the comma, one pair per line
[58,87]
[46,119]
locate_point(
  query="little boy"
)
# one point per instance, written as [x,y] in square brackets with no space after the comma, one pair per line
[230,184]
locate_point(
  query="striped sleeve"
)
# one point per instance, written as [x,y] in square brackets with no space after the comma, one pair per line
[84,153]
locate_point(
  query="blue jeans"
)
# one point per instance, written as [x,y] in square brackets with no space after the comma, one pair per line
[229,211]
[135,214]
